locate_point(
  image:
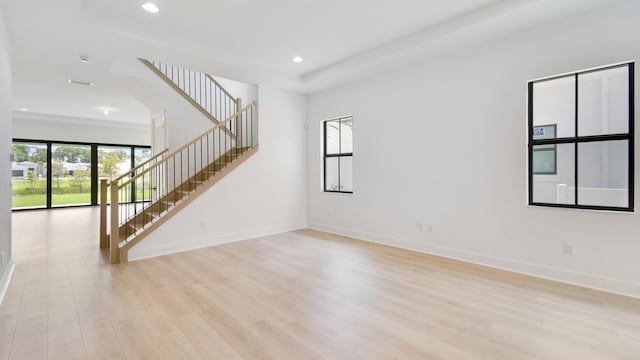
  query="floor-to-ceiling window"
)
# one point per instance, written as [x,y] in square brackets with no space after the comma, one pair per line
[70,174]
[29,175]
[113,161]
[46,174]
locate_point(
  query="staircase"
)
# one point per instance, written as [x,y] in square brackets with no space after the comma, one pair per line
[148,195]
[200,89]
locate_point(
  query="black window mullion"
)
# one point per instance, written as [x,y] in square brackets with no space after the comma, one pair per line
[49,175]
[324,137]
[94,174]
[339,151]
[631,73]
[575,157]
[581,139]
[530,136]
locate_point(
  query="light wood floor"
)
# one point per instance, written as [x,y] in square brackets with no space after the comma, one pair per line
[301,295]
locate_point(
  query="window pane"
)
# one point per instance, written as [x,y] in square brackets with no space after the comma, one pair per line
[141,155]
[333,136]
[603,173]
[603,102]
[331,174]
[346,135]
[29,175]
[70,174]
[144,186]
[557,188]
[113,161]
[346,173]
[554,104]
[544,159]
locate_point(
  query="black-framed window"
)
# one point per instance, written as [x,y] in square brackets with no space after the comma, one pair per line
[49,174]
[581,139]
[338,155]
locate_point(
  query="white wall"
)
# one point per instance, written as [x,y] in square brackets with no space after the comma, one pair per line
[246,92]
[5,150]
[264,195]
[440,157]
[51,127]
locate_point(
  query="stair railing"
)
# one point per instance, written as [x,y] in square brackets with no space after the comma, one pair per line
[104,193]
[201,89]
[178,175]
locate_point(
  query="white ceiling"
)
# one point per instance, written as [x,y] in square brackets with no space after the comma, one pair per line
[246,40]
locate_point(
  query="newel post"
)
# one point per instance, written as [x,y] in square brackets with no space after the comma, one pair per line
[104,240]
[115,231]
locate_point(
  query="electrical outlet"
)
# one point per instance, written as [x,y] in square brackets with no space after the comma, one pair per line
[425,227]
[568,249]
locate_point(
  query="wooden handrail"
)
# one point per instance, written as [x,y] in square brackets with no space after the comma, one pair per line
[139,166]
[151,65]
[221,88]
[177,151]
[187,96]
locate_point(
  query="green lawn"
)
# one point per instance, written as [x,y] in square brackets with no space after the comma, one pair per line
[33,193]
[21,201]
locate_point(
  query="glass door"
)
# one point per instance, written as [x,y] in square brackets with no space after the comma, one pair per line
[113,161]
[70,174]
[29,175]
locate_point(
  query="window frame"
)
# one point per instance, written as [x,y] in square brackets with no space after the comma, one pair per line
[576,139]
[95,188]
[339,154]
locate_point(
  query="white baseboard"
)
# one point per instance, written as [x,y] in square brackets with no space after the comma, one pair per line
[541,271]
[6,279]
[194,244]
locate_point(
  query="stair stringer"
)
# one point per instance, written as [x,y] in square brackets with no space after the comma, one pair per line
[125,246]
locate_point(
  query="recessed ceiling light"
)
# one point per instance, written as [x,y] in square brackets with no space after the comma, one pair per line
[24,109]
[85,59]
[297,59]
[106,112]
[150,7]
[80,82]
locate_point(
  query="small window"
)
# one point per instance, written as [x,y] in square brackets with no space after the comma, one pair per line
[338,155]
[581,139]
